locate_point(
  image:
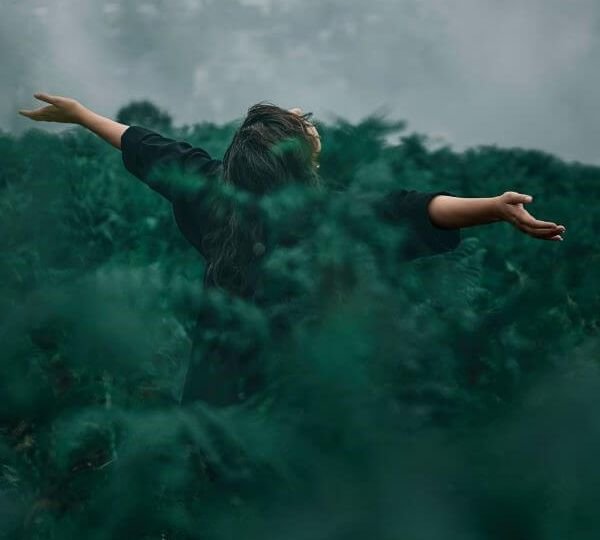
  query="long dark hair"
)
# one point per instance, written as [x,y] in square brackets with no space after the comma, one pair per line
[271,149]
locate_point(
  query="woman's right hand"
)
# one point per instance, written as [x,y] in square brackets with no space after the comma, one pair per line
[510,208]
[61,109]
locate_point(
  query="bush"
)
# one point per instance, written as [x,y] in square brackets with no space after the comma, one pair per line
[450,396]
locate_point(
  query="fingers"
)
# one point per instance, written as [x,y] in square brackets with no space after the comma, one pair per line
[554,238]
[530,221]
[537,228]
[525,218]
[541,230]
[33,115]
[38,114]
[548,236]
[554,233]
[513,197]
[46,97]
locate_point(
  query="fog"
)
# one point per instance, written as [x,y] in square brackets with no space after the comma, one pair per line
[467,72]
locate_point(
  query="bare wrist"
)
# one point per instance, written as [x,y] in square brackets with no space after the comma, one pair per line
[81,114]
[497,212]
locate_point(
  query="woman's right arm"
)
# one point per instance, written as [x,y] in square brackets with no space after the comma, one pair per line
[458,212]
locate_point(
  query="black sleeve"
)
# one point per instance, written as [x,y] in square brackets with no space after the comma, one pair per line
[149,156]
[410,207]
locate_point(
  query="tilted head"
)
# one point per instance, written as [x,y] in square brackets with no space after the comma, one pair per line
[273,147]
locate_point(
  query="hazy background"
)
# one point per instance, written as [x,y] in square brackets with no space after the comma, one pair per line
[511,72]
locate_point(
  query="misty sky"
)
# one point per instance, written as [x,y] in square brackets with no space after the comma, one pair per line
[507,72]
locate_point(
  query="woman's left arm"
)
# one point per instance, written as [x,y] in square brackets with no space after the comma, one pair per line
[107,129]
[146,154]
[67,110]
[458,212]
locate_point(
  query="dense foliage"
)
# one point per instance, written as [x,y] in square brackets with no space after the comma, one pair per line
[451,396]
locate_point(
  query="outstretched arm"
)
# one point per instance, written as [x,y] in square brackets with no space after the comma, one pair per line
[146,154]
[69,111]
[106,128]
[458,212]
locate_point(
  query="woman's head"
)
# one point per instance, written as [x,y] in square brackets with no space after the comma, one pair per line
[273,147]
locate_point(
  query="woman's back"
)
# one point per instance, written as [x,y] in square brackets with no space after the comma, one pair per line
[229,227]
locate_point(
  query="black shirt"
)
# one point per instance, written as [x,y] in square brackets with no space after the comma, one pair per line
[146,152]
[219,374]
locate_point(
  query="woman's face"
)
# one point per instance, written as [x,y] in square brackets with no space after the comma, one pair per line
[312,130]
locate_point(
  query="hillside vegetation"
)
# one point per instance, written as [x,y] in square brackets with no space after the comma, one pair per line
[453,396]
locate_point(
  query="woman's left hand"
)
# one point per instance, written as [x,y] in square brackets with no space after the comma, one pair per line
[510,208]
[61,109]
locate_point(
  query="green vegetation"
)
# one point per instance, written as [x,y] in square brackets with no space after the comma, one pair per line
[451,397]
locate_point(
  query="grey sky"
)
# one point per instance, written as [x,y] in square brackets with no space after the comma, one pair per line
[507,72]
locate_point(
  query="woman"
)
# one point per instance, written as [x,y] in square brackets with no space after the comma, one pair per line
[273,147]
